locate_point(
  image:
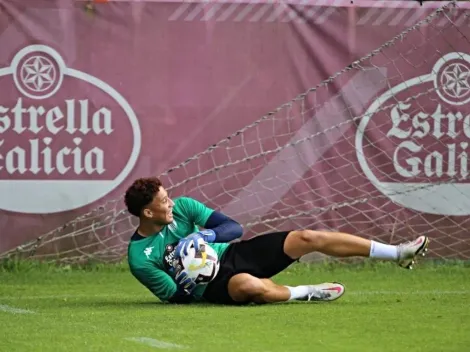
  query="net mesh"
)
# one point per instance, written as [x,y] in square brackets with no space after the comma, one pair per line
[297,166]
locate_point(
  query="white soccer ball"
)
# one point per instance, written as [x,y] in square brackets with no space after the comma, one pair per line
[202,266]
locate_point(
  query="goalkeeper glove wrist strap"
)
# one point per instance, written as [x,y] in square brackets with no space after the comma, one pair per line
[208,235]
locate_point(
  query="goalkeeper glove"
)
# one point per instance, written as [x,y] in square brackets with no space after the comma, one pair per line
[185,282]
[195,239]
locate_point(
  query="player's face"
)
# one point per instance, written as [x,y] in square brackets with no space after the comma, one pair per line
[160,211]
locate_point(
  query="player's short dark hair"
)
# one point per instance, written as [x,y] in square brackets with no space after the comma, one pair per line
[141,193]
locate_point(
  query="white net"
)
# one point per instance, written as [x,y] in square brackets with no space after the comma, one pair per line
[378,149]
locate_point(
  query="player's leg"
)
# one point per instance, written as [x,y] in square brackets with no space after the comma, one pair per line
[244,288]
[338,244]
[245,269]
[247,288]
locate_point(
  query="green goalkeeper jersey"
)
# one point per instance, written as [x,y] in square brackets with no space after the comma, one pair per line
[150,258]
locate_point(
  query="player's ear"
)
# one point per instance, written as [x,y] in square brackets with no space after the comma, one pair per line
[147,213]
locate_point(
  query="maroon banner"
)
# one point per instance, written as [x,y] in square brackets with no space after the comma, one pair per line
[96,94]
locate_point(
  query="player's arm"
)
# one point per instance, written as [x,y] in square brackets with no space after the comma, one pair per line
[162,285]
[225,228]
[219,227]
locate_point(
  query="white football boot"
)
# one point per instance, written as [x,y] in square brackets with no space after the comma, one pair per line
[408,251]
[328,291]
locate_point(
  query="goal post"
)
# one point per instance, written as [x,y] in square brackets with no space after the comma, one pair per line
[384,157]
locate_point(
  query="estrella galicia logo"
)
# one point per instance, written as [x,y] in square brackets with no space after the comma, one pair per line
[58,132]
[420,131]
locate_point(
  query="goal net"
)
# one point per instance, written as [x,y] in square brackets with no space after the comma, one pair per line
[379,149]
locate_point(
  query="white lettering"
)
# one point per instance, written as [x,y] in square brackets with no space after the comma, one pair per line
[36,119]
[451,161]
[466,126]
[432,162]
[48,168]
[42,155]
[451,132]
[34,168]
[397,118]
[94,161]
[422,124]
[103,115]
[463,157]
[18,111]
[61,168]
[1,156]
[4,120]
[15,161]
[70,116]
[422,127]
[43,158]
[52,117]
[33,118]
[437,117]
[77,155]
[84,117]
[428,161]
[412,159]
[414,162]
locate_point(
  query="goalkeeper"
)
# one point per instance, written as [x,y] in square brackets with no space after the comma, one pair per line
[167,228]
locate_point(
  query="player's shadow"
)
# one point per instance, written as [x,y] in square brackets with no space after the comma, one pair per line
[137,304]
[125,303]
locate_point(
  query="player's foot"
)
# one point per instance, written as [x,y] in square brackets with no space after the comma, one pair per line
[408,251]
[328,291]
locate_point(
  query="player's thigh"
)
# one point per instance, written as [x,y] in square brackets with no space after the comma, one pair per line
[262,256]
[301,242]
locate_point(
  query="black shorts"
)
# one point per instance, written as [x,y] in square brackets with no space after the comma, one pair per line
[262,256]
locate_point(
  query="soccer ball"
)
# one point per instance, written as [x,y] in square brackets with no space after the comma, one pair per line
[202,266]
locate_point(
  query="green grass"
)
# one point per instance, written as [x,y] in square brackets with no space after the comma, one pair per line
[384,309]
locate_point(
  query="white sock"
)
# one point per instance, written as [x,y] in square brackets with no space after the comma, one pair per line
[298,292]
[383,251]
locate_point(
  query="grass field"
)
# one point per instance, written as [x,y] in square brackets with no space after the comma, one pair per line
[385,308]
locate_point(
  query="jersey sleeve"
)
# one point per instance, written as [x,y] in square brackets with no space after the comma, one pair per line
[157,281]
[196,211]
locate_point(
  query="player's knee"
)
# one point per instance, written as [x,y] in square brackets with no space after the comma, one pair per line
[314,239]
[310,239]
[244,287]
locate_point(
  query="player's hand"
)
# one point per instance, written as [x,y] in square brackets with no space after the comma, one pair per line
[185,243]
[194,239]
[185,282]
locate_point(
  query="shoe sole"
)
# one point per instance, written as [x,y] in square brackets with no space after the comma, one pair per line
[420,252]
